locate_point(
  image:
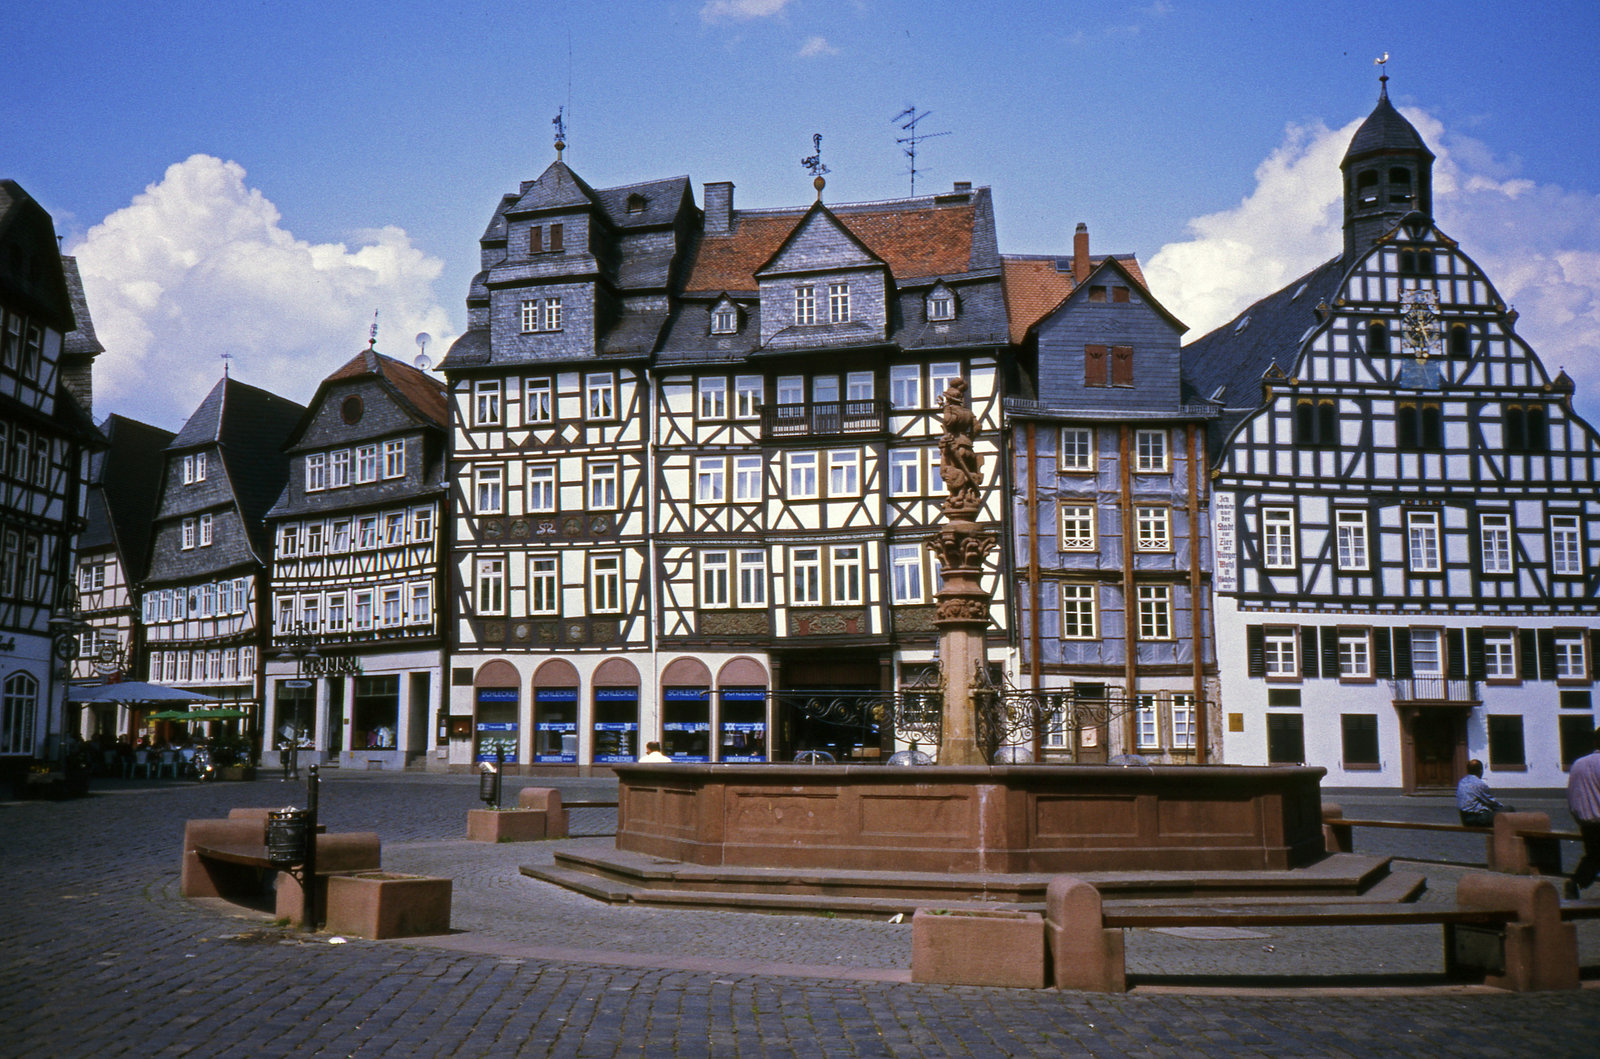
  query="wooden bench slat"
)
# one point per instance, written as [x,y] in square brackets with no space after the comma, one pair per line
[1408,825]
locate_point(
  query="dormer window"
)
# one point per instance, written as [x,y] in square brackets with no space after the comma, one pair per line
[805,305]
[538,244]
[941,303]
[725,318]
[637,203]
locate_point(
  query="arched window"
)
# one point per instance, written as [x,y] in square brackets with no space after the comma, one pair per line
[1460,340]
[1400,185]
[19,701]
[1538,434]
[1432,427]
[1305,423]
[1377,338]
[1406,433]
[1367,187]
[1327,423]
[1516,427]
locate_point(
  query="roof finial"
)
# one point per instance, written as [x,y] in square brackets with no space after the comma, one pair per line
[372,338]
[1383,78]
[225,358]
[560,122]
[814,163]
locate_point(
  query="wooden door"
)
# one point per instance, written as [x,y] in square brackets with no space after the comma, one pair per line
[1435,738]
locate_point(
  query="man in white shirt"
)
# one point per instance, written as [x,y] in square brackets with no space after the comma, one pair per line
[1583,801]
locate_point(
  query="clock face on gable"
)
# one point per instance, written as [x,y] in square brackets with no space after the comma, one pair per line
[1420,323]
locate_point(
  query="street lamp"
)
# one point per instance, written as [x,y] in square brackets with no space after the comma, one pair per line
[300,647]
[66,626]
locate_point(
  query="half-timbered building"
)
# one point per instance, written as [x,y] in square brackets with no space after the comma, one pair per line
[1406,518]
[1108,523]
[355,668]
[45,437]
[203,604]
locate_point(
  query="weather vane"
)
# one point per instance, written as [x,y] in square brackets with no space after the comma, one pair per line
[225,358]
[814,163]
[560,122]
[1383,65]
[372,337]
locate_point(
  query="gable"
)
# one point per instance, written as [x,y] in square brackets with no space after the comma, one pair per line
[818,243]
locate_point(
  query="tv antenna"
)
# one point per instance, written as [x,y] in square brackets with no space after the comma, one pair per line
[907,119]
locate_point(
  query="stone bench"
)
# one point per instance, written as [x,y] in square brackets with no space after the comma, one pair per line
[1517,843]
[1506,930]
[538,815]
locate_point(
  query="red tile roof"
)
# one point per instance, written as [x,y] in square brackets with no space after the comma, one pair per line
[424,392]
[1034,286]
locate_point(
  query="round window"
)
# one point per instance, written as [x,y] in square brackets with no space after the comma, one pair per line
[351,409]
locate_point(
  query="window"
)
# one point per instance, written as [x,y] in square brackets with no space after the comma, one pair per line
[844,472]
[1155,612]
[1355,655]
[1422,542]
[859,386]
[422,524]
[542,487]
[186,528]
[1427,653]
[536,404]
[752,572]
[367,463]
[602,487]
[394,528]
[1526,429]
[905,472]
[208,602]
[1419,427]
[724,320]
[421,610]
[394,458]
[600,394]
[845,563]
[316,472]
[747,393]
[1094,365]
[1506,748]
[791,389]
[92,577]
[1122,365]
[1281,651]
[714,569]
[1360,732]
[747,479]
[1153,526]
[905,386]
[367,532]
[605,584]
[535,240]
[838,303]
[205,531]
[1569,657]
[557,237]
[336,617]
[486,490]
[1077,528]
[1377,338]
[199,466]
[543,585]
[713,398]
[805,575]
[41,460]
[1500,656]
[1077,449]
[225,597]
[361,605]
[1148,723]
[339,469]
[1351,528]
[1494,535]
[940,376]
[19,701]
[805,305]
[393,607]
[486,403]
[1277,538]
[941,305]
[1150,451]
[905,567]
[1316,422]
[552,314]
[1078,612]
[1182,706]
[710,473]
[1566,546]
[490,583]
[802,475]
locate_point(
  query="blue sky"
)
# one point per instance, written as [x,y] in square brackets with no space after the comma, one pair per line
[258,178]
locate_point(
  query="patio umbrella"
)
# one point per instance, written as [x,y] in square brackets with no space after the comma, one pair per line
[196,715]
[137,693]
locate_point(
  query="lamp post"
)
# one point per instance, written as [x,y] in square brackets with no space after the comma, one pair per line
[66,626]
[300,646]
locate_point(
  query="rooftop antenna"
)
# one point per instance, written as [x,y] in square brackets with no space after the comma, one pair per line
[423,362]
[908,119]
[814,163]
[560,122]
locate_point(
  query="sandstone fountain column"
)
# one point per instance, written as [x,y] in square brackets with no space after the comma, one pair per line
[963,611]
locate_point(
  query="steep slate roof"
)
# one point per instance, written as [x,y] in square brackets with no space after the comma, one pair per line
[1385,131]
[81,340]
[1036,284]
[31,276]
[126,491]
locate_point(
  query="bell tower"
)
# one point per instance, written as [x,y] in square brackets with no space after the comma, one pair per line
[1388,173]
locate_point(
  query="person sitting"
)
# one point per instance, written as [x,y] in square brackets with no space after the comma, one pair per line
[1474,802]
[652,752]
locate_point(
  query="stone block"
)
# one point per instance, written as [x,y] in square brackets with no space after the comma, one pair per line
[1084,954]
[204,878]
[1541,952]
[548,801]
[1509,852]
[506,825]
[387,905]
[1337,835]
[987,947]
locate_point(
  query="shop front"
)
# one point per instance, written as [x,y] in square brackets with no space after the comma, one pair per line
[615,732]
[555,713]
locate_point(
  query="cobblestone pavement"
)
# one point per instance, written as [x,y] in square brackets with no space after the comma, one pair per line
[100,957]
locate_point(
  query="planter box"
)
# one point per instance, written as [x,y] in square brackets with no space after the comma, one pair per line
[978,948]
[379,904]
[505,825]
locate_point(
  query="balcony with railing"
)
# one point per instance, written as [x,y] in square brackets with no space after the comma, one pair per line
[823,418]
[1434,691]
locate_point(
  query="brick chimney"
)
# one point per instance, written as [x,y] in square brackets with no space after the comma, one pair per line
[719,207]
[1080,254]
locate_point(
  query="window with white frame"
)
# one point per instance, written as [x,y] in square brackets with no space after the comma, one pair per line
[1351,530]
[541,487]
[1150,451]
[199,466]
[367,532]
[528,316]
[394,528]
[1355,654]
[1077,450]
[600,395]
[605,584]
[487,490]
[844,472]
[1155,612]
[316,472]
[1153,528]
[315,538]
[1277,538]
[751,568]
[747,393]
[187,463]
[486,403]
[285,613]
[1566,545]
[544,585]
[724,320]
[420,609]
[394,458]
[905,472]
[19,703]
[714,576]
[1427,653]
[905,569]
[602,487]
[186,530]
[422,523]
[361,607]
[552,314]
[940,376]
[208,601]
[205,531]
[92,576]
[336,613]
[1494,539]
[1422,542]
[1148,722]
[859,386]
[1571,663]
[1181,708]
[339,469]
[393,606]
[1500,656]
[366,464]
[490,583]
[339,537]
[225,597]
[747,476]
[802,475]
[713,403]
[905,386]
[710,480]
[537,405]
[838,303]
[805,304]
[845,563]
[1281,651]
[1078,618]
[941,305]
[791,389]
[805,575]
[1077,527]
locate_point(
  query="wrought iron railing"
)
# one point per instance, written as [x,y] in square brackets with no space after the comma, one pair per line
[1434,689]
[823,418]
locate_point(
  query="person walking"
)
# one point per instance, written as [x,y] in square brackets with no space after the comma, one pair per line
[1474,801]
[1583,801]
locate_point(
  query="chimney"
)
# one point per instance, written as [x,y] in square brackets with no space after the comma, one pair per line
[1080,254]
[719,207]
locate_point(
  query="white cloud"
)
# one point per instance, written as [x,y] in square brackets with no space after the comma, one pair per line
[740,10]
[199,265]
[815,46]
[1539,244]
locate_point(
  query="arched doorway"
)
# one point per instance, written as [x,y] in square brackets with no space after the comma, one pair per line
[555,713]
